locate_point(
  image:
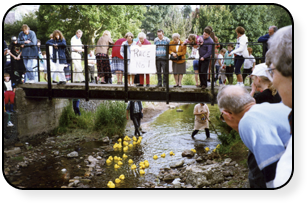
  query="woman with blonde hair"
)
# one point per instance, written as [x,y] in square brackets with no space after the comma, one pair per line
[261,82]
[103,65]
[178,52]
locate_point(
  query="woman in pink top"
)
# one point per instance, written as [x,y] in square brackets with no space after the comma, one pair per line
[117,60]
[143,41]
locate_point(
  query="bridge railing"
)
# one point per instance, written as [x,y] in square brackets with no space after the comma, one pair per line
[86,48]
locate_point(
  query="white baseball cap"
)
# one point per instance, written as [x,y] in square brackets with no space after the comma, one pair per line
[260,70]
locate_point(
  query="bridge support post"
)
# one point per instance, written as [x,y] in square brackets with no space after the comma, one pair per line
[48,73]
[86,72]
[125,73]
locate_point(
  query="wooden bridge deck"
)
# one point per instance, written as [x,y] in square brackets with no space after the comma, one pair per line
[117,92]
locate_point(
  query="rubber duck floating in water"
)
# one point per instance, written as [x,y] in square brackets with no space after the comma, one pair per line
[108,161]
[124,156]
[111,184]
[141,172]
[155,157]
[116,166]
[163,155]
[117,181]
[133,167]
[146,164]
[171,153]
[122,177]
[130,161]
[193,150]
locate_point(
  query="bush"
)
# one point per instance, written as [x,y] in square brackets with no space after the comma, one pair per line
[110,118]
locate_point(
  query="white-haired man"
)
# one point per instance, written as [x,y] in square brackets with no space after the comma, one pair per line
[76,56]
[261,126]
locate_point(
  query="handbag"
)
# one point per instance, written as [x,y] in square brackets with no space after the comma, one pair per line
[175,58]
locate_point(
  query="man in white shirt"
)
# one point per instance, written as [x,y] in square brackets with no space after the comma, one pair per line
[76,56]
[91,65]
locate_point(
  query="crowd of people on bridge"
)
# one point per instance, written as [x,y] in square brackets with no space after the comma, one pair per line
[108,58]
[262,117]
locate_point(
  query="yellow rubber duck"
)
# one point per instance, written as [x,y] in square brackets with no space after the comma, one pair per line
[193,150]
[120,163]
[130,145]
[108,161]
[214,150]
[117,181]
[171,153]
[146,164]
[140,137]
[163,155]
[124,156]
[120,146]
[126,137]
[111,184]
[141,172]
[135,143]
[125,143]
[142,166]
[115,158]
[218,146]
[155,157]
[134,138]
[207,149]
[141,163]
[110,158]
[130,161]
[133,167]
[122,177]
[116,166]
[120,140]
[125,149]
[115,146]
[139,142]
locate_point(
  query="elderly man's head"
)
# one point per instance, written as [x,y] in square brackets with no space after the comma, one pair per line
[280,58]
[233,102]
[272,30]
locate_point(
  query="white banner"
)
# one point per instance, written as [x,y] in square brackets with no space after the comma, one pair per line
[143,59]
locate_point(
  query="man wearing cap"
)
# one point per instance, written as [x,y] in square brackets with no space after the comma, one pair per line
[202,116]
[262,83]
[262,127]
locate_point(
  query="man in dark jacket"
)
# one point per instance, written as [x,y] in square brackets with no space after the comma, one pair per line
[135,110]
[28,41]
[205,52]
[265,38]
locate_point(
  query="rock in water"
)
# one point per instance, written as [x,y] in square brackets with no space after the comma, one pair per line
[73,154]
[177,164]
[188,153]
[179,110]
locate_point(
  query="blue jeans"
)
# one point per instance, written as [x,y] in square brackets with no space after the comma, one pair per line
[76,107]
[217,73]
[29,68]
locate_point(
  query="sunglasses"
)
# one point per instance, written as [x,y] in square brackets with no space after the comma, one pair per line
[222,117]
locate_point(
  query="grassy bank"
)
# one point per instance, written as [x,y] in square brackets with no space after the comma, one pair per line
[231,144]
[109,119]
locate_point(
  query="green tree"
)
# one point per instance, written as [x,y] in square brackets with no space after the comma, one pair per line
[91,19]
[186,10]
[154,17]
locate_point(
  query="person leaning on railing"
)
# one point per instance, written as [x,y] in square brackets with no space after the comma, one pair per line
[178,51]
[27,40]
[143,41]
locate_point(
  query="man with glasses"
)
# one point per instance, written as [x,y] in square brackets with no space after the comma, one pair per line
[261,126]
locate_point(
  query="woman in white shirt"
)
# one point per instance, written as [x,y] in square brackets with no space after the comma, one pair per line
[240,53]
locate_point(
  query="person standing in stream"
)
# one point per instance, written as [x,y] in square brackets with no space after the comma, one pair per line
[202,116]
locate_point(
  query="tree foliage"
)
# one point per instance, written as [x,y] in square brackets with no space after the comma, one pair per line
[91,19]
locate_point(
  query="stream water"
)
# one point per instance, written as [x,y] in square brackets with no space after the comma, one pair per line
[170,131]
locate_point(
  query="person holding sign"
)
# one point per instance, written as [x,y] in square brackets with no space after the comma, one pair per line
[143,41]
[178,52]
[129,42]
